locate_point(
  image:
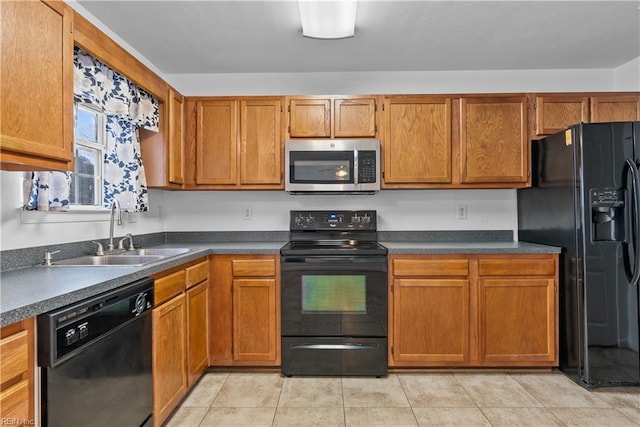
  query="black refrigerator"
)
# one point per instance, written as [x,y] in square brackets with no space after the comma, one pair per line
[585,199]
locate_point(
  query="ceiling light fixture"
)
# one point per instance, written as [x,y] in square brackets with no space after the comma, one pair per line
[328,19]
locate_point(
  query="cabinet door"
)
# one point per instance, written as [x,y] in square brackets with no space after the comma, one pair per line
[310,118]
[17,371]
[169,357]
[354,117]
[197,338]
[261,142]
[36,97]
[417,142]
[430,321]
[254,320]
[216,142]
[517,321]
[176,137]
[555,113]
[493,140]
[615,108]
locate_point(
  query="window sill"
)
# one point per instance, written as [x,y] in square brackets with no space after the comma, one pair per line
[81,215]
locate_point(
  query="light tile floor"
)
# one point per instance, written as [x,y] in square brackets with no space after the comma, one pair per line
[404,399]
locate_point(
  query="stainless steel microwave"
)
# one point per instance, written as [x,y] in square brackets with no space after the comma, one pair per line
[332,166]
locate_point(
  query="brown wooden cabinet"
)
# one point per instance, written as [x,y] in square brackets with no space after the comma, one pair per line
[517,308]
[169,357]
[17,373]
[36,97]
[430,311]
[332,117]
[238,143]
[163,152]
[473,310]
[245,310]
[176,137]
[556,112]
[216,142]
[197,294]
[494,145]
[615,108]
[417,141]
[180,338]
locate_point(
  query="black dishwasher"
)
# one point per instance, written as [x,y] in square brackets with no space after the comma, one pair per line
[95,359]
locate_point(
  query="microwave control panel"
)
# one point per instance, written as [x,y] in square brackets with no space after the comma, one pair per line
[367,167]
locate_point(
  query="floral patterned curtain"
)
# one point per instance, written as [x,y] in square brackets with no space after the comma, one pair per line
[127,107]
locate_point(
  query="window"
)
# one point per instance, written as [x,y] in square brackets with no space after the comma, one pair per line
[89,146]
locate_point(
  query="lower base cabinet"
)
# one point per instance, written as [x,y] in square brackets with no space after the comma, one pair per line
[473,310]
[17,373]
[180,334]
[245,310]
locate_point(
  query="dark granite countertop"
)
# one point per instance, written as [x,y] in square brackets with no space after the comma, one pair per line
[27,292]
[429,248]
[33,290]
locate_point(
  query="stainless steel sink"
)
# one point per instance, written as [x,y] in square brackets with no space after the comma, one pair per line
[165,252]
[108,260]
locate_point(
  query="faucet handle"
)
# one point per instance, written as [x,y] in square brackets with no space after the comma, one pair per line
[48,257]
[100,250]
[129,237]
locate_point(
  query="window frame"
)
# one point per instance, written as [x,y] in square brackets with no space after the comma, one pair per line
[100,146]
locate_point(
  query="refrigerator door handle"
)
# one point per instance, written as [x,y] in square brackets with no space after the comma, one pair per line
[635,221]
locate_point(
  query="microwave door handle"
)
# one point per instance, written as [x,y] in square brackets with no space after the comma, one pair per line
[356,166]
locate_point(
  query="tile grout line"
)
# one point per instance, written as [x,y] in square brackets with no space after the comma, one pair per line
[415,418]
[273,420]
[344,411]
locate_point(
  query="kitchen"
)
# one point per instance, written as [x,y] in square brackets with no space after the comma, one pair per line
[398,209]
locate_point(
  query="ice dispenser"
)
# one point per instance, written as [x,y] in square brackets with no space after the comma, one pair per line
[607,215]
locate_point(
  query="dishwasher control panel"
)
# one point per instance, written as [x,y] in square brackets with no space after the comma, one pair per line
[64,331]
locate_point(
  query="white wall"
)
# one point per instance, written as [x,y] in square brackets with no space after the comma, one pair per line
[397,209]
[393,82]
[627,76]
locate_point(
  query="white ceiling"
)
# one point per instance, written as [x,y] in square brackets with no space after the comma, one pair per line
[183,37]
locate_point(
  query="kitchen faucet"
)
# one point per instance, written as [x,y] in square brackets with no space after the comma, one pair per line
[115,214]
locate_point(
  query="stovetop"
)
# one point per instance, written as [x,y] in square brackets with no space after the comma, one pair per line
[333,233]
[336,247]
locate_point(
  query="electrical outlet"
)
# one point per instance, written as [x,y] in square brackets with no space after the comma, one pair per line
[247,213]
[461,211]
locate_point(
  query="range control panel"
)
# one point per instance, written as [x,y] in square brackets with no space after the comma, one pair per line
[333,220]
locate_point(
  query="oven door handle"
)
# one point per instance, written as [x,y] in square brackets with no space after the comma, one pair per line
[352,346]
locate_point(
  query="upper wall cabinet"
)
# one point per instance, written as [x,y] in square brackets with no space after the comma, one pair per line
[494,145]
[417,141]
[238,143]
[332,117]
[615,108]
[36,130]
[556,112]
[163,151]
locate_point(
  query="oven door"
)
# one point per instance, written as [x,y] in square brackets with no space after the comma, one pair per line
[334,296]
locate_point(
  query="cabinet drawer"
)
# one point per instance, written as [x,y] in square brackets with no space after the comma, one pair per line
[517,267]
[430,267]
[14,401]
[14,355]
[254,267]
[197,273]
[169,286]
